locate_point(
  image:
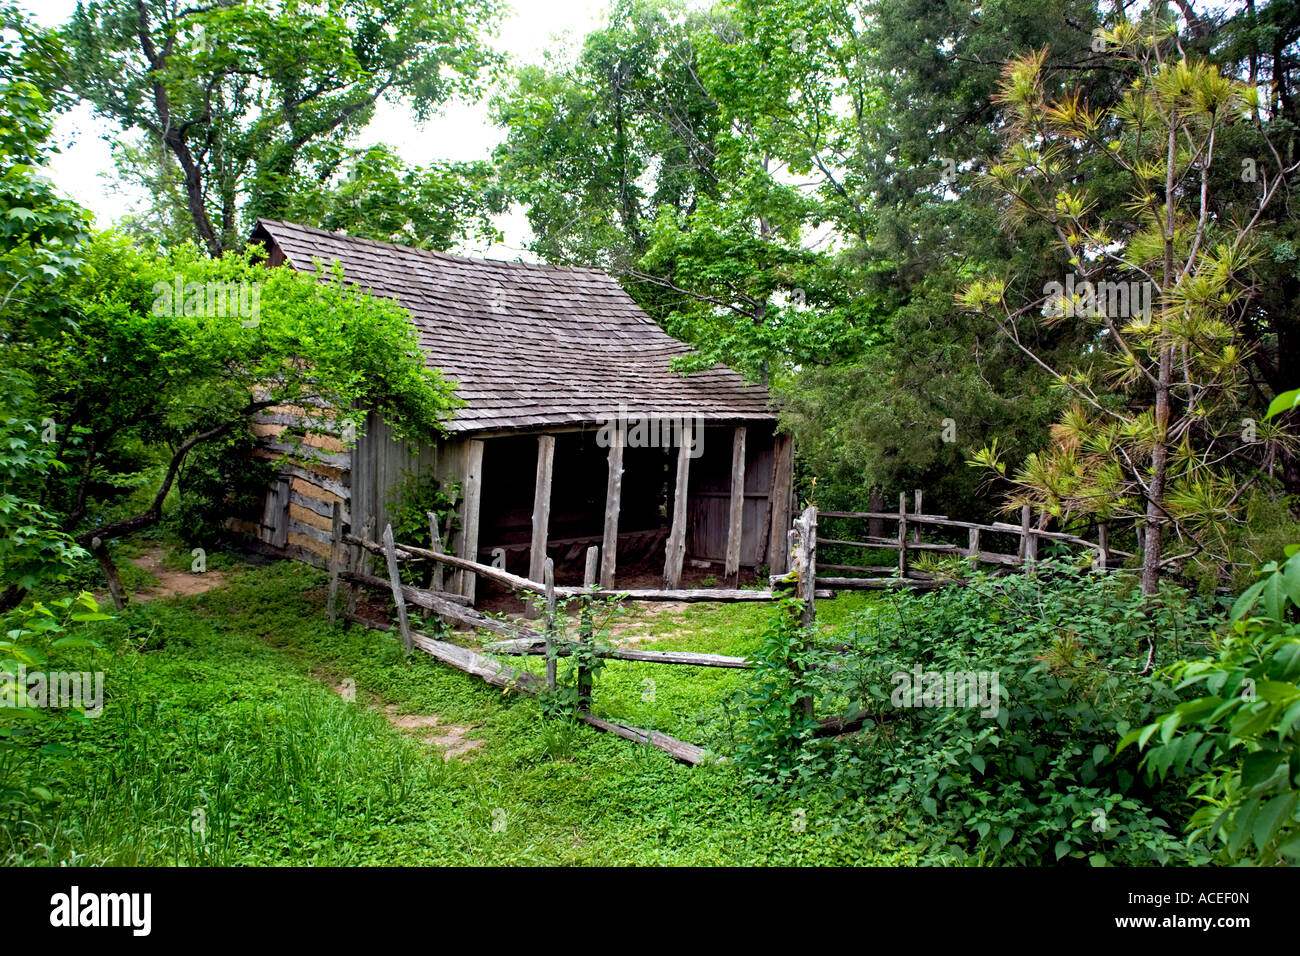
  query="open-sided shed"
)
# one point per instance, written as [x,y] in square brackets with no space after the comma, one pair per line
[575,429]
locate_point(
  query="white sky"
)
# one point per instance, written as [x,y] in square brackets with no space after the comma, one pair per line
[84,169]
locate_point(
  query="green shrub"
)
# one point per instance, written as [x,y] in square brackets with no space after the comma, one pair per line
[1241,740]
[1027,775]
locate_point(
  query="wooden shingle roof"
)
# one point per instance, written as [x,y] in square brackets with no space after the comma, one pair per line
[528,345]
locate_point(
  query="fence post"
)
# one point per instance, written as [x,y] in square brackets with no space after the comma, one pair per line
[805,563]
[916,509]
[1023,550]
[902,534]
[436,580]
[973,544]
[1103,545]
[336,556]
[586,626]
[395,579]
[357,560]
[548,578]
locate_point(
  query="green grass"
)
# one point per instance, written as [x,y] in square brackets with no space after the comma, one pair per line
[223,743]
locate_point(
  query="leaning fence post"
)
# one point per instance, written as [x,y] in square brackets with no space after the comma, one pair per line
[586,626]
[548,577]
[336,556]
[395,579]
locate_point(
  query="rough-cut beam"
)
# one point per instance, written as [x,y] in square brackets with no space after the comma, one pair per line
[778,550]
[613,501]
[473,490]
[541,513]
[736,513]
[677,749]
[675,553]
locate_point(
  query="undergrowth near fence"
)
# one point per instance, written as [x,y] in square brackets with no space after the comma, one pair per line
[1029,775]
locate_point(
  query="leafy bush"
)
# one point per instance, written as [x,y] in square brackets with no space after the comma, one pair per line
[1028,775]
[1241,741]
[409,503]
[36,635]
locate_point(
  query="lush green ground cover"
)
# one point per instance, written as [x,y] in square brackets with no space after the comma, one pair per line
[223,741]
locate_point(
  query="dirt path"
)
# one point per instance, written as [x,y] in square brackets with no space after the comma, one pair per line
[173,583]
[452,739]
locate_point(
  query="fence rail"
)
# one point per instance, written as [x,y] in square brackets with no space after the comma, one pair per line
[904,575]
[349,558]
[351,555]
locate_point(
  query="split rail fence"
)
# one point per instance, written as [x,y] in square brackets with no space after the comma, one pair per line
[351,557]
[349,564]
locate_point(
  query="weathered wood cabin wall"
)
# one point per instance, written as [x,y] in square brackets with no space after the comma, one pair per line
[503,495]
[296,514]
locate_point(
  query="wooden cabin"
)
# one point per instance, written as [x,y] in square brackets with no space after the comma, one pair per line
[549,360]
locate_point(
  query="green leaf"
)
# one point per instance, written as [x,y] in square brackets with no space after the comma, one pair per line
[1284,402]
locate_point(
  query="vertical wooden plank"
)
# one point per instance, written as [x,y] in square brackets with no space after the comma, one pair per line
[973,543]
[916,510]
[613,501]
[541,513]
[676,551]
[902,534]
[1103,545]
[778,550]
[473,489]
[735,519]
[336,557]
[395,580]
[435,545]
[586,626]
[359,560]
[548,576]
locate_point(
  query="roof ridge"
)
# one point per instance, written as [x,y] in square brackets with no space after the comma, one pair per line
[433,253]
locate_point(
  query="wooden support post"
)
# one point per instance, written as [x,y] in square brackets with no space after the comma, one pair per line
[541,513]
[1103,545]
[548,578]
[613,499]
[395,579]
[358,561]
[336,558]
[676,550]
[902,534]
[973,543]
[916,510]
[586,626]
[435,545]
[778,548]
[473,489]
[736,516]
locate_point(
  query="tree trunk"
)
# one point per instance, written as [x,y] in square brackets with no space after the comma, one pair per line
[100,551]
